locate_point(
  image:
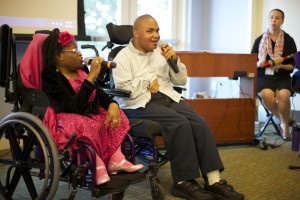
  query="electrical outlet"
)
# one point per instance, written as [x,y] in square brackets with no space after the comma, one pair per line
[239,74]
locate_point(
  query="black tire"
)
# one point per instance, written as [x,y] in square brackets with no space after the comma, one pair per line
[36,161]
[263,145]
[118,196]
[158,192]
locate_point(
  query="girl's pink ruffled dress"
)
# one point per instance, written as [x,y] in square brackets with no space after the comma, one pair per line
[104,140]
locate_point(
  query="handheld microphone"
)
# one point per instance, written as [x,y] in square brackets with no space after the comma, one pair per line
[170,61]
[104,64]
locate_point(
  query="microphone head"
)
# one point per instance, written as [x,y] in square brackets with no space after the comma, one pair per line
[160,43]
[86,60]
[113,65]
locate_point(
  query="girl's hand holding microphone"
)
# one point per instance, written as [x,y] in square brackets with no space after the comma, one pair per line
[95,69]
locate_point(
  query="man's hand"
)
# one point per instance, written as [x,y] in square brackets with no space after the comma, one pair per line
[168,52]
[153,87]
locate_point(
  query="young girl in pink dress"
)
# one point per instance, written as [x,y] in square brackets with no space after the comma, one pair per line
[81,107]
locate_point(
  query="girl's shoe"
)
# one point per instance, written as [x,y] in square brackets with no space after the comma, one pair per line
[124,165]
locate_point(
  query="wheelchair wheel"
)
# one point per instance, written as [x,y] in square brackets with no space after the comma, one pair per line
[30,167]
[118,196]
[263,144]
[145,155]
[158,192]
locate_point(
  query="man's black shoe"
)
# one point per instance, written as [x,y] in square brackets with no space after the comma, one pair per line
[132,178]
[223,191]
[110,187]
[190,190]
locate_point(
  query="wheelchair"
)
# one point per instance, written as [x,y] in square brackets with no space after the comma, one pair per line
[33,155]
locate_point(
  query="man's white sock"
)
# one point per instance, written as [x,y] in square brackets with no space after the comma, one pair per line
[213,177]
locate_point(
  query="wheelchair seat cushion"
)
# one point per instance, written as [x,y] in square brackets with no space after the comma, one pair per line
[148,128]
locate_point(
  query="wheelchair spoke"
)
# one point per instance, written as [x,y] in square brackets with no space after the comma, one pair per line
[31,163]
[1,133]
[13,184]
[29,182]
[21,160]
[25,173]
[2,192]
[28,148]
[6,161]
[14,144]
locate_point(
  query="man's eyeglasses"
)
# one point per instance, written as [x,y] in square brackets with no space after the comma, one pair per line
[72,50]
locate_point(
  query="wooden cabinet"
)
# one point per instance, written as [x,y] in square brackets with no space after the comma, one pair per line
[231,120]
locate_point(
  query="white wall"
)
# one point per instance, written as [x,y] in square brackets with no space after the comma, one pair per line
[221,26]
[229,27]
[5,108]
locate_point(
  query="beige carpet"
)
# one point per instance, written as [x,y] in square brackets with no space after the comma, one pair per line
[258,174]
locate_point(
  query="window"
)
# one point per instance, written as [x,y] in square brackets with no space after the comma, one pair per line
[98,13]
[161,10]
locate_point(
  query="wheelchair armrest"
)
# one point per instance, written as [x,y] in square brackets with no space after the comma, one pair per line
[179,89]
[117,92]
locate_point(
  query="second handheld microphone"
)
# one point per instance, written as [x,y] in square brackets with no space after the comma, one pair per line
[104,64]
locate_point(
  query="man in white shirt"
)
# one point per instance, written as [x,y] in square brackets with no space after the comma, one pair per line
[143,69]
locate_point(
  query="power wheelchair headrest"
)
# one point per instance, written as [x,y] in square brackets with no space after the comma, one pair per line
[31,64]
[119,34]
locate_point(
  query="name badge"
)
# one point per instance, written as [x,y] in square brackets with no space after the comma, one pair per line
[269,71]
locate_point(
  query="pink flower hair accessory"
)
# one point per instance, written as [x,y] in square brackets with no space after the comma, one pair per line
[65,38]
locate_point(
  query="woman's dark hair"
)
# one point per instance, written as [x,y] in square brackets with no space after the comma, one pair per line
[51,49]
[276,9]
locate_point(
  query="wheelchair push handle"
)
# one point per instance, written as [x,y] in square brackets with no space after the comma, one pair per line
[89,46]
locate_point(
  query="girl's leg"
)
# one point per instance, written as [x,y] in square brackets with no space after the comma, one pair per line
[101,172]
